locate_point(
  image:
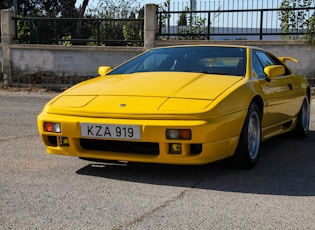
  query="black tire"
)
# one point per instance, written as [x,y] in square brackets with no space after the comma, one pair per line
[303,120]
[248,149]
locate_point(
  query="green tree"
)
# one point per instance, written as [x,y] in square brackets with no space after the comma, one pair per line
[51,8]
[119,31]
[133,31]
[182,21]
[193,26]
[6,4]
[311,29]
[165,16]
[296,21]
[48,31]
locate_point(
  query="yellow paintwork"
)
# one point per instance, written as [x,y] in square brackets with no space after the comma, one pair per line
[274,71]
[214,108]
[284,59]
[103,70]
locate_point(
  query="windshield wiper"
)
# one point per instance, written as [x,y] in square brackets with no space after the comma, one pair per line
[214,72]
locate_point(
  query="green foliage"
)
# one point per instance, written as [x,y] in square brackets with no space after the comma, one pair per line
[165,16]
[26,31]
[34,32]
[190,26]
[6,4]
[182,21]
[49,31]
[65,41]
[115,9]
[295,20]
[195,27]
[119,31]
[311,29]
[132,32]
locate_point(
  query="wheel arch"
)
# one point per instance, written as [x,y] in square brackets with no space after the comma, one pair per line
[244,156]
[260,103]
[308,93]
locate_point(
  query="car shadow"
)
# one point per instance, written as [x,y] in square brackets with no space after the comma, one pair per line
[286,167]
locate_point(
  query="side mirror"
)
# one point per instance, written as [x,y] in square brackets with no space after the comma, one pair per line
[103,70]
[273,71]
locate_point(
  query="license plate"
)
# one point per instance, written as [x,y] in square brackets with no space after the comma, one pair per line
[130,132]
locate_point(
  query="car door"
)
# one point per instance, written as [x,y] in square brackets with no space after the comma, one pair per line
[278,92]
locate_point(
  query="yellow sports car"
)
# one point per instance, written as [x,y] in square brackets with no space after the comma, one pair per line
[180,105]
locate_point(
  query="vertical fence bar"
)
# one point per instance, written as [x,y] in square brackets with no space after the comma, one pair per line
[98,24]
[209,25]
[261,24]
[16,30]
[160,22]
[56,31]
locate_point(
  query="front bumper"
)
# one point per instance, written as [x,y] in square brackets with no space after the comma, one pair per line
[212,139]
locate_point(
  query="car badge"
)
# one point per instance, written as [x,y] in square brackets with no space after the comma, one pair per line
[122,105]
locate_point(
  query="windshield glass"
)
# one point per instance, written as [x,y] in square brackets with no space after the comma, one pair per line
[201,59]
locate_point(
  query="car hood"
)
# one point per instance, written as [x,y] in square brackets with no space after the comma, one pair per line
[143,93]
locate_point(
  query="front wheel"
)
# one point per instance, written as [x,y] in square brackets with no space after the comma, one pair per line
[303,119]
[248,149]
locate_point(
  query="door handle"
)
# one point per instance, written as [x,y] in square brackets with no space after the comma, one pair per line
[290,86]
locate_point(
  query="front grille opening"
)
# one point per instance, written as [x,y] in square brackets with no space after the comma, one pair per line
[195,148]
[146,148]
[51,141]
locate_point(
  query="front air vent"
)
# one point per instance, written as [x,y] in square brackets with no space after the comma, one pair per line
[131,147]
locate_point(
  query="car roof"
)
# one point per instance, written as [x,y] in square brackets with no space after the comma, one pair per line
[211,45]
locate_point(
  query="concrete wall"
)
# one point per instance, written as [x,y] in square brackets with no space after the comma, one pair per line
[46,65]
[1,58]
[84,61]
[66,61]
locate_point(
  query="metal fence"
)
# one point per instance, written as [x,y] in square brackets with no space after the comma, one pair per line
[236,20]
[185,19]
[79,31]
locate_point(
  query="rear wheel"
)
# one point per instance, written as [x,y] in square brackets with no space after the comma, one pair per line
[248,149]
[303,119]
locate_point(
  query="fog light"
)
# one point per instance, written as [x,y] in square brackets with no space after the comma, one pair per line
[64,141]
[52,127]
[178,134]
[175,148]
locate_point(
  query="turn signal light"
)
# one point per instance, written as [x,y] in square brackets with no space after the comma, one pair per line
[52,127]
[178,134]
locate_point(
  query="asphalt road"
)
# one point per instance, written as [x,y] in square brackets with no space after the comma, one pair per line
[41,191]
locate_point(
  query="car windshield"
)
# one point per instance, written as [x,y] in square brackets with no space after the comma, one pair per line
[201,59]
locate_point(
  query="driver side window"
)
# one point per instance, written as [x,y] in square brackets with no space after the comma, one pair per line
[262,59]
[257,66]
